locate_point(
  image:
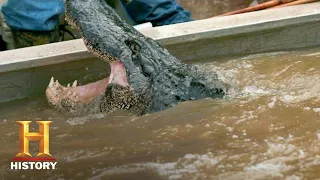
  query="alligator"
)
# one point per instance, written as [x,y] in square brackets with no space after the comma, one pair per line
[144,78]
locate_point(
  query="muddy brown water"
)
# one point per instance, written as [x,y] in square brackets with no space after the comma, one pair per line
[268,128]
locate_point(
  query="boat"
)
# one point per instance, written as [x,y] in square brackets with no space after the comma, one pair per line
[26,72]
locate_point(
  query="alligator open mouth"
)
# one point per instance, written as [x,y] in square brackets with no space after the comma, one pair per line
[71,97]
[144,76]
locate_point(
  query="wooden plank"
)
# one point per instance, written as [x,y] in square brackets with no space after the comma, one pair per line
[279,39]
[235,24]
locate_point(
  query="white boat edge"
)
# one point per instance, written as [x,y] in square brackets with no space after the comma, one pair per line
[167,35]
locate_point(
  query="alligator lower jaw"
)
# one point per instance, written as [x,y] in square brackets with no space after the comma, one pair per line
[69,98]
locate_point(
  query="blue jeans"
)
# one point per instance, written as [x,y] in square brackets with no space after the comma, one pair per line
[36,15]
[43,15]
[158,12]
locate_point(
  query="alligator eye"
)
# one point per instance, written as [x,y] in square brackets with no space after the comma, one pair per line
[140,63]
[134,46]
[135,50]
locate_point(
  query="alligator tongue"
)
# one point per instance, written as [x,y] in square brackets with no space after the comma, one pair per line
[86,93]
[91,90]
[117,76]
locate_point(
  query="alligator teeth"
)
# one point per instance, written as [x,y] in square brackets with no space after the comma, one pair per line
[56,84]
[75,83]
[51,82]
[69,92]
[74,94]
[68,85]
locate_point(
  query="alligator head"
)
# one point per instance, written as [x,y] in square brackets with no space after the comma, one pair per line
[144,76]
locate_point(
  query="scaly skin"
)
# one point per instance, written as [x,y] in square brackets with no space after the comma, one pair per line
[146,79]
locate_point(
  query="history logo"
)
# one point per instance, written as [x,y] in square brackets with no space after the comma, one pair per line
[23,159]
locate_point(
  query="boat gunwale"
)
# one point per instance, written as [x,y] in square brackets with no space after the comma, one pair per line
[67,51]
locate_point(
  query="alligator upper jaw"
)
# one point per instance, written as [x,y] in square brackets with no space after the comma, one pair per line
[69,98]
